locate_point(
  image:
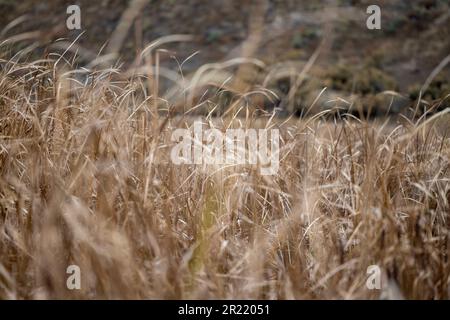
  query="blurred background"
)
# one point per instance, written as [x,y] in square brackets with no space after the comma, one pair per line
[326,40]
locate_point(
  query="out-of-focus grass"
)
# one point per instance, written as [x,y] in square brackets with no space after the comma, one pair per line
[86,179]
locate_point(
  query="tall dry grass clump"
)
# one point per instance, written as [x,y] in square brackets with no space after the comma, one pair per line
[86,179]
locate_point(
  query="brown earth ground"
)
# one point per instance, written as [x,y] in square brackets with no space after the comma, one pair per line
[354,63]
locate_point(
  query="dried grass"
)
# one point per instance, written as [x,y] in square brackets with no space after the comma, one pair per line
[86,179]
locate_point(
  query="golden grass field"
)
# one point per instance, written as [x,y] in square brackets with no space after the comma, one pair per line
[86,176]
[86,179]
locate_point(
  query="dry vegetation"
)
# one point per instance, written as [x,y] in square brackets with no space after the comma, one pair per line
[86,179]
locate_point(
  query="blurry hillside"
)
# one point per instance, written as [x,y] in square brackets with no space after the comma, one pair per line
[350,60]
